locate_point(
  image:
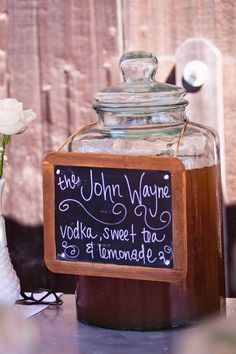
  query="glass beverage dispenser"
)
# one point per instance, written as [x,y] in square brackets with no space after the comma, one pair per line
[144,117]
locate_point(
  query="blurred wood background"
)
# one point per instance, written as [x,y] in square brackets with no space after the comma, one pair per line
[54,56]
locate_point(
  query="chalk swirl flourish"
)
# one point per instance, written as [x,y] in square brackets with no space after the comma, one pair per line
[118,210]
[70,251]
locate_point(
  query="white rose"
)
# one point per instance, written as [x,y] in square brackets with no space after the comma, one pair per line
[13,119]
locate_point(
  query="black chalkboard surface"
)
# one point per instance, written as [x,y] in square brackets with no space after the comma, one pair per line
[110,215]
[119,216]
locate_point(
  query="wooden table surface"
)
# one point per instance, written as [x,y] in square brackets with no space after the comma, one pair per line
[61,333]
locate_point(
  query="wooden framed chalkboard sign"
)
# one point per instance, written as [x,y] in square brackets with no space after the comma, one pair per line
[115,216]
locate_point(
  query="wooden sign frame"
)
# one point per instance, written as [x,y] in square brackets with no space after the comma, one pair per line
[178,180]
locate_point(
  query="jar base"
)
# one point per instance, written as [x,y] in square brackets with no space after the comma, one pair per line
[147,328]
[178,324]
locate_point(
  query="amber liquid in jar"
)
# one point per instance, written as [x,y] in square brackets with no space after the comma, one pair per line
[146,305]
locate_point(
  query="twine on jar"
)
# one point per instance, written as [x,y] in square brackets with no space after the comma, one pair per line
[181,136]
[80,130]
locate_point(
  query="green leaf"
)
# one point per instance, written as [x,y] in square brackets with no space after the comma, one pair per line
[4,141]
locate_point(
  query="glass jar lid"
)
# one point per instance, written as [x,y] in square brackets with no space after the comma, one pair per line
[139,89]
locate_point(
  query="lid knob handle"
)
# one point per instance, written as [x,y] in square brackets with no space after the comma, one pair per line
[138,66]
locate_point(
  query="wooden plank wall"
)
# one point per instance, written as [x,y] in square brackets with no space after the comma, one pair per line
[54,56]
